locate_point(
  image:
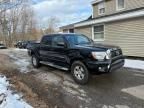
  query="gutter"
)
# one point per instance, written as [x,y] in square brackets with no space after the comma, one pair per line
[96,1]
[118,17]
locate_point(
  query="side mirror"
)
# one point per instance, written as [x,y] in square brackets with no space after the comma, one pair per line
[61,44]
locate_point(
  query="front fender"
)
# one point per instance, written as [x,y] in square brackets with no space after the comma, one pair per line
[75,56]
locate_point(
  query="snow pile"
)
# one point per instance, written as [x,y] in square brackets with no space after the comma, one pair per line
[22,63]
[7,98]
[136,64]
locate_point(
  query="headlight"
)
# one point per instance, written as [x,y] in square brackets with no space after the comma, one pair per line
[108,54]
[99,55]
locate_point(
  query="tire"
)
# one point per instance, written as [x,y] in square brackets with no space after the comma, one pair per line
[35,61]
[80,73]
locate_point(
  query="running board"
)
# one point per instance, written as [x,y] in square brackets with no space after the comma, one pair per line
[53,65]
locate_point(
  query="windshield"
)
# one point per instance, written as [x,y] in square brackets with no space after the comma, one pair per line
[75,39]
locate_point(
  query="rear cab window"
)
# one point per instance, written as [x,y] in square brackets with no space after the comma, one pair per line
[46,40]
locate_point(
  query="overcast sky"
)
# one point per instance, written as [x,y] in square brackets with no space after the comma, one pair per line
[67,11]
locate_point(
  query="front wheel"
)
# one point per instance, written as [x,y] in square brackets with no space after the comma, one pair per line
[80,72]
[35,61]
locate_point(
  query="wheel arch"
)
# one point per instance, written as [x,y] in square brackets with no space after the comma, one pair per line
[78,59]
[33,52]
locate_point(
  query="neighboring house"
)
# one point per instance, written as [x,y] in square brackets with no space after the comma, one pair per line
[67,29]
[118,22]
[70,28]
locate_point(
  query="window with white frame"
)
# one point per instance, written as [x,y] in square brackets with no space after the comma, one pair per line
[120,4]
[101,8]
[98,32]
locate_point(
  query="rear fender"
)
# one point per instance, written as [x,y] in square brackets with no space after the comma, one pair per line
[35,52]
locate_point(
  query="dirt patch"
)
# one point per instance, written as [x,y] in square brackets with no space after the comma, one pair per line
[27,93]
[43,89]
[17,80]
[5,63]
[37,93]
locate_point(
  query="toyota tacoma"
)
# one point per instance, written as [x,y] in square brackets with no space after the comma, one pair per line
[76,53]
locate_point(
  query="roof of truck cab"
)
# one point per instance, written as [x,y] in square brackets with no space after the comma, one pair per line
[59,34]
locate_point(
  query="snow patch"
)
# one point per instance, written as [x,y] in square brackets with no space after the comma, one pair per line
[121,106]
[135,64]
[139,75]
[116,106]
[49,78]
[21,63]
[70,84]
[70,90]
[7,98]
[17,49]
[137,91]
[105,106]
[73,89]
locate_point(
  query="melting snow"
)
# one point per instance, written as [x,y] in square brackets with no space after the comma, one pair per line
[22,63]
[8,99]
[136,64]
[17,49]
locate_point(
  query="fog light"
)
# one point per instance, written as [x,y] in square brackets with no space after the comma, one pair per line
[102,69]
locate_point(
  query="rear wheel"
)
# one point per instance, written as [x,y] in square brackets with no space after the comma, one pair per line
[80,72]
[35,61]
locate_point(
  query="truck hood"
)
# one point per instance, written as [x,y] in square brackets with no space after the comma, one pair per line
[101,47]
[105,46]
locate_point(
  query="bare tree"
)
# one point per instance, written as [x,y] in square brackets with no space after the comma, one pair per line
[17,21]
[52,25]
[5,21]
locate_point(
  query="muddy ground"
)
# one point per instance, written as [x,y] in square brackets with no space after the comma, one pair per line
[48,87]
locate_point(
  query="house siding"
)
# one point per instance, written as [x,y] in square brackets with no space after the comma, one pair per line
[128,34]
[95,11]
[87,30]
[110,6]
[132,4]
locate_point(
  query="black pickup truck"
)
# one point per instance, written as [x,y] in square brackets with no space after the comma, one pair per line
[76,53]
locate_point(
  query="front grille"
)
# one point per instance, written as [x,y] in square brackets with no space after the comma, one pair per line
[115,53]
